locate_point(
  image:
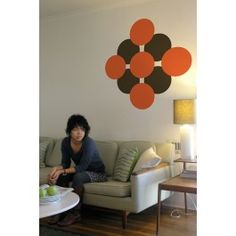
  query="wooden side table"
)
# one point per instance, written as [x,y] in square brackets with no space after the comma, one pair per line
[178,184]
[185,161]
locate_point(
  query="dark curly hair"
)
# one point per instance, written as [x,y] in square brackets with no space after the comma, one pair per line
[77,120]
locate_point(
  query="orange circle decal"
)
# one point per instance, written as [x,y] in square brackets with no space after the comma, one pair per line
[115,67]
[142,64]
[176,61]
[141,31]
[142,96]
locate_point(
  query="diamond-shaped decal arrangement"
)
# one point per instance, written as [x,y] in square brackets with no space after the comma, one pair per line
[134,65]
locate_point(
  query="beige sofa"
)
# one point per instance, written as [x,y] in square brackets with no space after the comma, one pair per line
[133,196]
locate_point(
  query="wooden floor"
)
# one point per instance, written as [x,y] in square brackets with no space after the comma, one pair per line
[102,223]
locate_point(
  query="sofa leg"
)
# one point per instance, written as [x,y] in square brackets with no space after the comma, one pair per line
[124,218]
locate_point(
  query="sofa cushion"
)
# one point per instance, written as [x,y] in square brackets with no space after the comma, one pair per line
[125,163]
[108,152]
[42,153]
[44,172]
[147,159]
[55,156]
[109,188]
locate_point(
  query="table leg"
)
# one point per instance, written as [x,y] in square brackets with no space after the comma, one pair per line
[158,210]
[184,166]
[185,203]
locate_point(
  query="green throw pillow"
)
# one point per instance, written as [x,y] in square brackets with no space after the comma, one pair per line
[125,163]
[42,153]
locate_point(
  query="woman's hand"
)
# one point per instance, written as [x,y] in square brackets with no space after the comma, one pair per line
[54,170]
[54,174]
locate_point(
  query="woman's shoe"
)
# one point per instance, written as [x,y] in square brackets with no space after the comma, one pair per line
[69,219]
[54,219]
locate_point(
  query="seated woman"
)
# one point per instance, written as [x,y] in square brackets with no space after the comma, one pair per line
[81,149]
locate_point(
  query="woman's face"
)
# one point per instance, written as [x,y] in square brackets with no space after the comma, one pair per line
[77,133]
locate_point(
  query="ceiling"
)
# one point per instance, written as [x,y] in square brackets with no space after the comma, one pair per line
[64,7]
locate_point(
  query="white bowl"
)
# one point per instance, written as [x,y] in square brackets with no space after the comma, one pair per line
[53,199]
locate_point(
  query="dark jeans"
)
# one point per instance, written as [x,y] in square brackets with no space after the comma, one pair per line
[77,179]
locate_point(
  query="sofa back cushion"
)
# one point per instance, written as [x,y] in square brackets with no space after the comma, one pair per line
[141,145]
[42,153]
[108,152]
[55,157]
[50,145]
[166,151]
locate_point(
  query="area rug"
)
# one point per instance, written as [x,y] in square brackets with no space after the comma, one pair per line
[49,231]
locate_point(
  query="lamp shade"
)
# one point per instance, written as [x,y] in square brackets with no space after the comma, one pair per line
[184,111]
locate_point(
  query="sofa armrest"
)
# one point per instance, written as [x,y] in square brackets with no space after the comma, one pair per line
[144,186]
[145,170]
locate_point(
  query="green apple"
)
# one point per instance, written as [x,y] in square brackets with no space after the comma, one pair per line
[42,192]
[52,190]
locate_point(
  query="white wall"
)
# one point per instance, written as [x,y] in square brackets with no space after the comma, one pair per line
[73,52]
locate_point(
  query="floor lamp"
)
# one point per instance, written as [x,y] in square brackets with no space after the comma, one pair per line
[184,114]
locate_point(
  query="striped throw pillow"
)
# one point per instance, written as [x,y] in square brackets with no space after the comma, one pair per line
[125,163]
[42,153]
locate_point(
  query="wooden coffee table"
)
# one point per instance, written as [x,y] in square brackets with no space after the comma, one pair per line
[67,202]
[177,184]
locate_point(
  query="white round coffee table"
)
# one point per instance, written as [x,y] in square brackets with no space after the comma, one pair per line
[67,202]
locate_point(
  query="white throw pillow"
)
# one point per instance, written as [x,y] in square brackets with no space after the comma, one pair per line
[148,159]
